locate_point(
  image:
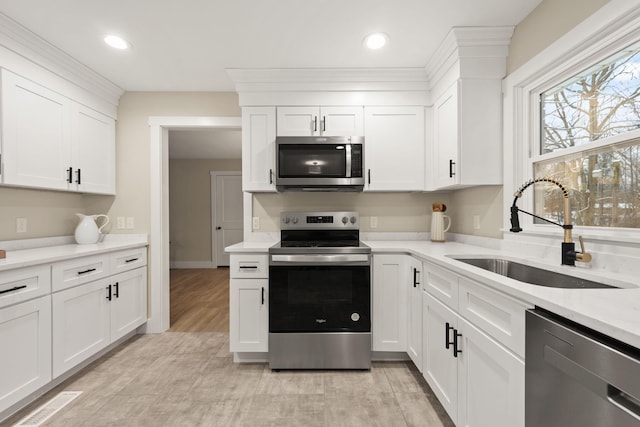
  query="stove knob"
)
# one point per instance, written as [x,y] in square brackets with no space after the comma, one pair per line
[286,220]
[345,219]
[353,220]
[295,220]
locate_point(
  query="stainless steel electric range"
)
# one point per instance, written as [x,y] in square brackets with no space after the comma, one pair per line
[320,293]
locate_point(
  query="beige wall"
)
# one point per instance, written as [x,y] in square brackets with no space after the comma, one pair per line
[395,211]
[48,213]
[545,24]
[133,142]
[190,206]
[485,202]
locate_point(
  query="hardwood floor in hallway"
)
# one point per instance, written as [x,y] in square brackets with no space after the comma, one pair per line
[200,300]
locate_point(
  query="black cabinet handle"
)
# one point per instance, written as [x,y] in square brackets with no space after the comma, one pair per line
[270,176]
[79,177]
[248,267]
[130,260]
[70,175]
[324,123]
[448,328]
[451,172]
[415,277]
[263,295]
[117,292]
[455,343]
[315,123]
[16,288]
[86,271]
[109,292]
[369,176]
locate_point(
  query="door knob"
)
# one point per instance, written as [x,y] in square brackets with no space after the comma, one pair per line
[218,228]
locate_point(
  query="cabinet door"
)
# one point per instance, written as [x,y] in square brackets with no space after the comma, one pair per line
[446,138]
[491,382]
[414,326]
[394,148]
[439,367]
[298,121]
[390,290]
[36,145]
[249,315]
[258,148]
[25,359]
[128,301]
[94,151]
[342,121]
[80,324]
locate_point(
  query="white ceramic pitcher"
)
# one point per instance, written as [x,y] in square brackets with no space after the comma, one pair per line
[437,226]
[87,231]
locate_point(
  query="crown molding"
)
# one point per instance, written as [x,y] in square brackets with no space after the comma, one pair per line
[329,79]
[37,50]
[465,46]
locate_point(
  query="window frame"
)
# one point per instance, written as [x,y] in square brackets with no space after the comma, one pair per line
[609,30]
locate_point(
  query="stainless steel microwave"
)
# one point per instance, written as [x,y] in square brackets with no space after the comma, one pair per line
[316,163]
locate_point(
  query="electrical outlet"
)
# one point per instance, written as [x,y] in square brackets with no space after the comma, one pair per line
[256,223]
[120,223]
[21,225]
[476,222]
[130,223]
[373,222]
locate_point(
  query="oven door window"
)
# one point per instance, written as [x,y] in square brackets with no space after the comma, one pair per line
[312,161]
[319,299]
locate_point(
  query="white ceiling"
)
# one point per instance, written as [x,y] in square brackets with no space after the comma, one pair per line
[187,45]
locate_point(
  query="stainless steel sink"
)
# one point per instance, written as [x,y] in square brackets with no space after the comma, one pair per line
[531,275]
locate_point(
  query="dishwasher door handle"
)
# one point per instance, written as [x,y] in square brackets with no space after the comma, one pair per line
[623,401]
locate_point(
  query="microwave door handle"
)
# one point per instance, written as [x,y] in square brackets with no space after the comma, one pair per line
[348,160]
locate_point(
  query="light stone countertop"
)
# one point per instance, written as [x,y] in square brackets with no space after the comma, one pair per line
[613,312]
[42,255]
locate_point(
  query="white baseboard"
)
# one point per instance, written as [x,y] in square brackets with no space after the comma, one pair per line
[192,264]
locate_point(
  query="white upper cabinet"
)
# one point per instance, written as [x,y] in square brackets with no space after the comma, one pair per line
[94,151]
[467,146]
[50,141]
[36,144]
[258,149]
[320,121]
[395,148]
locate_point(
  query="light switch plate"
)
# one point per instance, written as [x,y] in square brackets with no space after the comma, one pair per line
[476,222]
[130,223]
[120,223]
[373,222]
[21,225]
[256,223]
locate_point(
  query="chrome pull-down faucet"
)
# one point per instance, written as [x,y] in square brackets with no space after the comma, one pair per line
[569,254]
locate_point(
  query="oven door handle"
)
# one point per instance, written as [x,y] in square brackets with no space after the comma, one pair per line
[320,259]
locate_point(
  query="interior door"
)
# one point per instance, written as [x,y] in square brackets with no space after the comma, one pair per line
[227,221]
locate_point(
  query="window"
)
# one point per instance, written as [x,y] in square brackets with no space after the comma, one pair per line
[590,141]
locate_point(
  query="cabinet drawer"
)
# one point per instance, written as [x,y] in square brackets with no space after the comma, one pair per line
[78,271]
[24,283]
[498,315]
[442,284]
[128,260]
[244,266]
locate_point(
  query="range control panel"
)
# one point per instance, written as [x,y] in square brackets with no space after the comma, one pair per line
[320,220]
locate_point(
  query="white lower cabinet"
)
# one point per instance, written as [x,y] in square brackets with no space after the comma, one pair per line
[389,310]
[89,317]
[25,358]
[249,315]
[478,380]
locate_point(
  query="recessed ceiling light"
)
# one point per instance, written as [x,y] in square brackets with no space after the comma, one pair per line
[376,41]
[116,42]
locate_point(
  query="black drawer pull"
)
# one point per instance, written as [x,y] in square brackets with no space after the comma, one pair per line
[86,271]
[455,343]
[117,292]
[250,267]
[13,289]
[130,260]
[447,328]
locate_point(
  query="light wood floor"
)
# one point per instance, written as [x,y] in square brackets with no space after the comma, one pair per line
[200,300]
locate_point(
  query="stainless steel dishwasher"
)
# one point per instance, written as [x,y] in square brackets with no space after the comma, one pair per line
[575,376]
